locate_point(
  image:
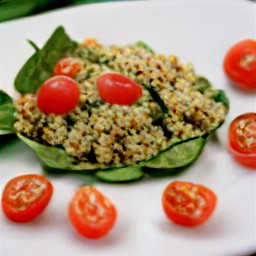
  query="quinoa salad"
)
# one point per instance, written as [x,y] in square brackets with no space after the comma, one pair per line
[176,105]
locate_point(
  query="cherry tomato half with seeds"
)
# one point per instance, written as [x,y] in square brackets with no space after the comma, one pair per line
[92,214]
[240,64]
[25,197]
[68,66]
[188,204]
[58,95]
[242,139]
[118,89]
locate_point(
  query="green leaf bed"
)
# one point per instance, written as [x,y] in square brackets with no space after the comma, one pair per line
[179,152]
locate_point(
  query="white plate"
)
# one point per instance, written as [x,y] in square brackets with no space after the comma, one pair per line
[197,31]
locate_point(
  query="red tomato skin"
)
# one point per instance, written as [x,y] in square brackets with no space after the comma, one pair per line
[248,161]
[68,66]
[118,89]
[240,75]
[58,95]
[245,156]
[35,209]
[91,230]
[185,220]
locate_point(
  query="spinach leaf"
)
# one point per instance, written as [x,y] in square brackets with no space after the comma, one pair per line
[50,156]
[202,84]
[220,96]
[40,65]
[57,158]
[179,155]
[7,110]
[157,99]
[12,9]
[124,174]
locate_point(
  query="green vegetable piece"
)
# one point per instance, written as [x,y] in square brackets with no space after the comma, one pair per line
[202,84]
[7,110]
[157,99]
[39,66]
[36,48]
[145,46]
[12,9]
[50,156]
[220,96]
[179,155]
[57,158]
[123,174]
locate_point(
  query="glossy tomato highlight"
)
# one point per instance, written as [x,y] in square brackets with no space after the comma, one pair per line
[91,213]
[25,197]
[188,204]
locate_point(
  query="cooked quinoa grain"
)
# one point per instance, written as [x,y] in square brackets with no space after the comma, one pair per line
[171,109]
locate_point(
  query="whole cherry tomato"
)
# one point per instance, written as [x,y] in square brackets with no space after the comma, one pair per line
[115,88]
[58,95]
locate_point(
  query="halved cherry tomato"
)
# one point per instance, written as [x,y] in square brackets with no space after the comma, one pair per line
[58,95]
[188,204]
[118,89]
[68,66]
[242,139]
[26,196]
[240,64]
[92,214]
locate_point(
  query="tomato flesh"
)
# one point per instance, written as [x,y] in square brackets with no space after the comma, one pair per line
[92,214]
[68,66]
[242,139]
[118,89]
[58,95]
[188,204]
[25,197]
[240,64]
